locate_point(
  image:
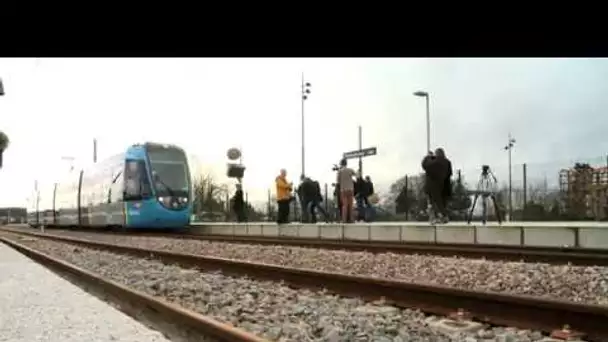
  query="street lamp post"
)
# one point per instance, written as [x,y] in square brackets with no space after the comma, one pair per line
[509,148]
[428,142]
[428,118]
[305,93]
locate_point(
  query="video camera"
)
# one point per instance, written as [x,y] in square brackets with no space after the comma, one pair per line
[335,167]
[485,169]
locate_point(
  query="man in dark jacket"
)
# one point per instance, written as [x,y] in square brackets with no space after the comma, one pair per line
[238,204]
[303,199]
[306,193]
[438,171]
[315,202]
[446,194]
[433,185]
[360,196]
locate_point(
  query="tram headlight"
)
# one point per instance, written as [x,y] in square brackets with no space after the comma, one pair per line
[165,200]
[183,199]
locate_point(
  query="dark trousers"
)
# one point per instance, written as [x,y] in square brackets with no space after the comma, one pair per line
[362,207]
[438,201]
[304,210]
[283,215]
[313,206]
[240,214]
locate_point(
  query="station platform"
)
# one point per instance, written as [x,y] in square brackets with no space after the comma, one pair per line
[542,234]
[38,305]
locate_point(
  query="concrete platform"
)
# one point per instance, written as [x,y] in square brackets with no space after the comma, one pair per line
[37,305]
[547,234]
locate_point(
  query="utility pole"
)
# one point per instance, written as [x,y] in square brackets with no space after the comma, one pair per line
[509,148]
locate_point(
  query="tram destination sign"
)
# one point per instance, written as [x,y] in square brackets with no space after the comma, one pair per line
[366,152]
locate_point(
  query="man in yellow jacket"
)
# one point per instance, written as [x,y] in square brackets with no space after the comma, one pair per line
[284,189]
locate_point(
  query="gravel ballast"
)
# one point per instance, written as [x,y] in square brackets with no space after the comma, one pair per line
[268,309]
[581,284]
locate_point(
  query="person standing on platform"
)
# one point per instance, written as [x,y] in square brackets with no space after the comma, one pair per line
[337,208]
[446,189]
[315,202]
[304,192]
[344,179]
[360,197]
[284,189]
[238,204]
[370,199]
[435,174]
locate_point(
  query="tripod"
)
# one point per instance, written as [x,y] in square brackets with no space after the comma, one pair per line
[485,189]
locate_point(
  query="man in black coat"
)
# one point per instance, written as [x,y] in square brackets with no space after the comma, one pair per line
[307,194]
[315,201]
[436,171]
[446,194]
[238,204]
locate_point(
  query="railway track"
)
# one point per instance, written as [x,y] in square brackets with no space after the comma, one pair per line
[575,256]
[132,302]
[496,309]
[550,255]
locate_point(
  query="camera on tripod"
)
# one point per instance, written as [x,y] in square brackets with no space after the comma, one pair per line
[485,169]
[486,188]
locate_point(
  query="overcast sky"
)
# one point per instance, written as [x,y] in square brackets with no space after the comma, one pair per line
[555,108]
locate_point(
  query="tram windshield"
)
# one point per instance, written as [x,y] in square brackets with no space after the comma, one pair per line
[169,168]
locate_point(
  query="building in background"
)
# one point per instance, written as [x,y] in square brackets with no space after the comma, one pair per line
[585,191]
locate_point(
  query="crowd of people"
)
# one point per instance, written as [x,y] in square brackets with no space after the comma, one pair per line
[351,191]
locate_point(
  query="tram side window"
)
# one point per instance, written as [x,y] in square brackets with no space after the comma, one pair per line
[137,185]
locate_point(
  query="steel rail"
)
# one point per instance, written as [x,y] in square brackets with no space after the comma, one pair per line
[550,255]
[494,308]
[174,313]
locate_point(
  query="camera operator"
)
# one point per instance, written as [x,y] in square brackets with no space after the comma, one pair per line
[446,193]
[438,171]
[344,179]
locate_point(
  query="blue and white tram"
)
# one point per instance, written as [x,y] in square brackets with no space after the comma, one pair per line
[148,186]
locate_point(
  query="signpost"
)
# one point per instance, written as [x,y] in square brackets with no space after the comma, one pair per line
[366,152]
[361,152]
